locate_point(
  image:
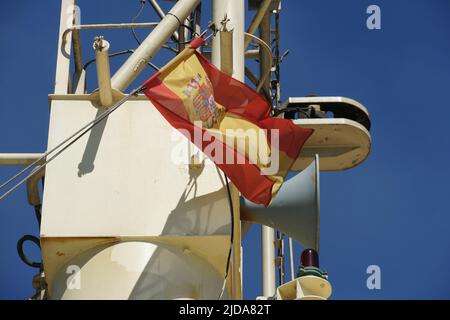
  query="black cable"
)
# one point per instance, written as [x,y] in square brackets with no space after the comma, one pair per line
[195,34]
[210,26]
[22,255]
[184,42]
[165,46]
[230,201]
[190,29]
[115,54]
[38,213]
[181,25]
[301,110]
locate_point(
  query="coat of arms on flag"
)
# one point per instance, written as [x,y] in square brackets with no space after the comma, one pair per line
[206,109]
[192,94]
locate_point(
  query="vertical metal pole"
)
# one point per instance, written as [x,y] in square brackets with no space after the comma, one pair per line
[267,233]
[63,57]
[277,96]
[265,63]
[279,260]
[268,261]
[291,258]
[198,15]
[234,11]
[181,38]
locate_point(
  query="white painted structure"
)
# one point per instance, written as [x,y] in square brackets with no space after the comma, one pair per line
[112,186]
[129,211]
[118,206]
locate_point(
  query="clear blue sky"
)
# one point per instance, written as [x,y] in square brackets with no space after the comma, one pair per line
[391,211]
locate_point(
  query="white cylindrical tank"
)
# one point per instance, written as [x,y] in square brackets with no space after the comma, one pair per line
[137,270]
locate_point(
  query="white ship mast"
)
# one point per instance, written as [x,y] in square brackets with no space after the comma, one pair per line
[122,220]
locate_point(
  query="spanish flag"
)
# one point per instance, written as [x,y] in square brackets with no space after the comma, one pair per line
[252,148]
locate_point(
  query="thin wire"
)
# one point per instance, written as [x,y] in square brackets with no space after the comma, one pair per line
[115,54]
[210,26]
[86,128]
[195,36]
[119,53]
[179,22]
[182,24]
[230,200]
[291,258]
[137,39]
[134,19]
[161,15]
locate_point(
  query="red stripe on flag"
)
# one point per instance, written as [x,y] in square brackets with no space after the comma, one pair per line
[157,91]
[239,99]
[242,100]
[291,137]
[246,177]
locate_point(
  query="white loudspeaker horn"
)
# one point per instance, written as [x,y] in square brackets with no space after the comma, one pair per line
[294,210]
